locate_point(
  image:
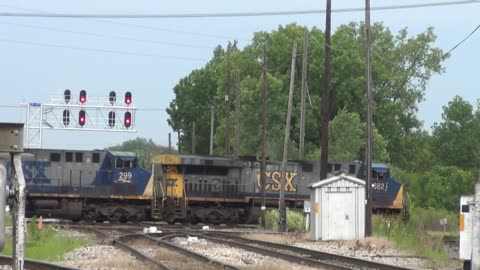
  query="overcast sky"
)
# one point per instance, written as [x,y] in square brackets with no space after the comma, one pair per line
[40,57]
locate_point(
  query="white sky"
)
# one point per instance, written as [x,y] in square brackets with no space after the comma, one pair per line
[32,70]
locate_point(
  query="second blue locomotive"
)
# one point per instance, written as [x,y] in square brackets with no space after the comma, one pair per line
[94,185]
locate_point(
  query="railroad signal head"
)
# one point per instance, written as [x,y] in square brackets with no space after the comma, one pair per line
[66,117]
[111,119]
[112,97]
[83,96]
[127,121]
[67,95]
[81,117]
[128,98]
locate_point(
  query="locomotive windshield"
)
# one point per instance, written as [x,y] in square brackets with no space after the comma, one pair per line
[380,171]
[124,159]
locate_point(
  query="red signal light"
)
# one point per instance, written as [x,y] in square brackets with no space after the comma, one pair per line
[83,96]
[81,118]
[128,98]
[127,120]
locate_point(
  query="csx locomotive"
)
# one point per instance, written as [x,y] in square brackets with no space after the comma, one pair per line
[104,185]
[94,185]
[219,189]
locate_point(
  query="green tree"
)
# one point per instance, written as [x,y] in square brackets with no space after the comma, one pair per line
[347,140]
[346,137]
[402,65]
[455,139]
[443,186]
[438,188]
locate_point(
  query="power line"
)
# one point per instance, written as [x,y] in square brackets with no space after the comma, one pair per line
[229,14]
[100,50]
[147,27]
[107,36]
[153,28]
[463,40]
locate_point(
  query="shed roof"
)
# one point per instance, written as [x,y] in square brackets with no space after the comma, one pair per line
[335,179]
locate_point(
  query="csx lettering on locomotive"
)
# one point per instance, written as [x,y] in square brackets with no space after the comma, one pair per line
[273,181]
[36,172]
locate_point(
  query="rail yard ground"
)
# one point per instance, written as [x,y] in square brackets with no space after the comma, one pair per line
[101,253]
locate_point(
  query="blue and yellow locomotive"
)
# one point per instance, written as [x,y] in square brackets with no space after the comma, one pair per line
[227,190]
[89,185]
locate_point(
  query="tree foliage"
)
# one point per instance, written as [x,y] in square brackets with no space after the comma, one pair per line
[439,187]
[402,66]
[455,140]
[447,160]
[347,139]
[435,168]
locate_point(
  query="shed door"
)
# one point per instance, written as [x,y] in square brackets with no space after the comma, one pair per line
[341,211]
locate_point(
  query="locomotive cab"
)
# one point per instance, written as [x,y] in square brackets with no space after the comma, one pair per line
[169,186]
[387,192]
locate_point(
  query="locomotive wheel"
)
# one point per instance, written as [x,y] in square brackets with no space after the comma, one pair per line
[119,216]
[215,217]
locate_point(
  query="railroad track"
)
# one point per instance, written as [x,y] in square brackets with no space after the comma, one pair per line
[292,254]
[128,235]
[167,254]
[34,264]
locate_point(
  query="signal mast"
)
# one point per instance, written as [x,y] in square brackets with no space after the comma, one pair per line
[78,113]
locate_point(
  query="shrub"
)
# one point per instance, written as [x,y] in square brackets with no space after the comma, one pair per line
[271,219]
[295,220]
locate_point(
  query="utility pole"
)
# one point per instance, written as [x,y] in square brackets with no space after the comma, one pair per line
[301,150]
[264,137]
[283,210]
[169,143]
[227,106]
[326,95]
[212,122]
[368,154]
[193,138]
[237,115]
[178,142]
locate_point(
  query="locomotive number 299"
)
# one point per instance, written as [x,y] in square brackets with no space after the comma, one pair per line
[125,176]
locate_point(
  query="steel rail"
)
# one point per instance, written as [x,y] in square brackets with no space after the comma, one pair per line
[138,254]
[34,264]
[312,254]
[272,253]
[182,250]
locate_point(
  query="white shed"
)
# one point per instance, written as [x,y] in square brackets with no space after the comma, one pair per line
[338,208]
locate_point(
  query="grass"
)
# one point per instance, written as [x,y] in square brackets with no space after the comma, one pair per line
[442,234]
[414,234]
[46,244]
